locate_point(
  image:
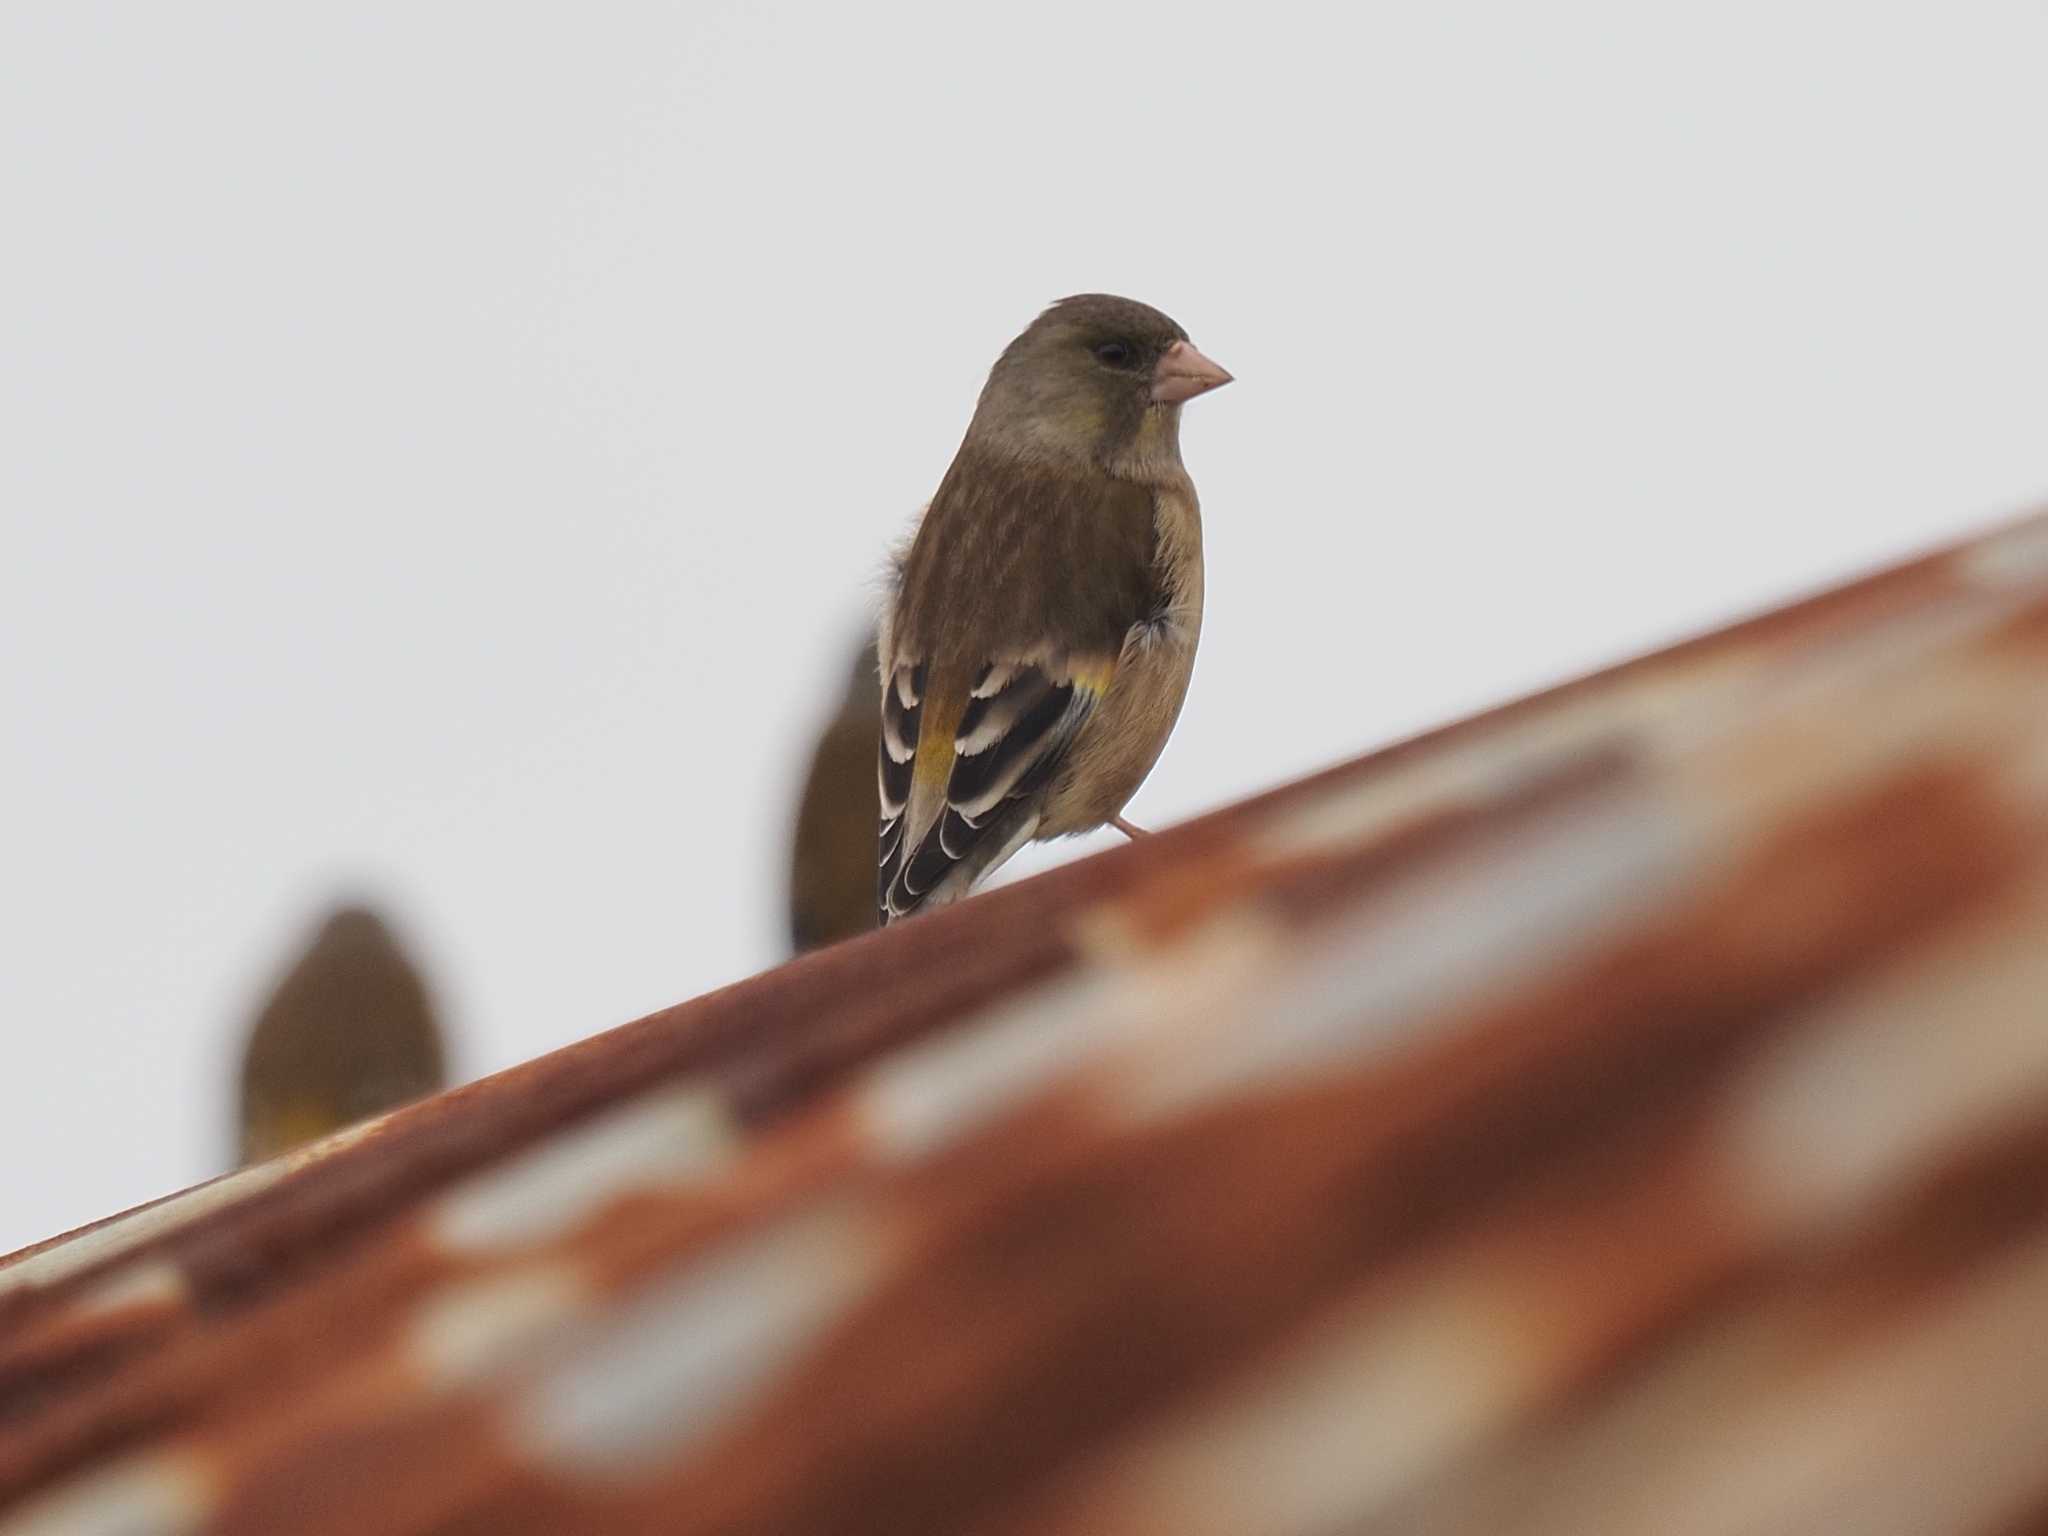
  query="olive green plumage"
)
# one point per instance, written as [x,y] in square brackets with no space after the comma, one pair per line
[832,849]
[349,1033]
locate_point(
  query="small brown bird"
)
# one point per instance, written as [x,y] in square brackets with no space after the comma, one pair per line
[832,860]
[1038,645]
[348,1034]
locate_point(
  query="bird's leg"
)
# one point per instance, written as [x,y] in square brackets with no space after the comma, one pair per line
[1134,833]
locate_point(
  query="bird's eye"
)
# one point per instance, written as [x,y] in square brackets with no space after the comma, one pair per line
[1114,354]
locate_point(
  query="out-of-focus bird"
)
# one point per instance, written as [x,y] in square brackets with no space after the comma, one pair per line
[348,1034]
[1038,643]
[832,860]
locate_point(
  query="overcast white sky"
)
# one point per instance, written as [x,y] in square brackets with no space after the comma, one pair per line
[443,448]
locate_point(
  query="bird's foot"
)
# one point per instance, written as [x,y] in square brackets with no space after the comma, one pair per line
[1134,833]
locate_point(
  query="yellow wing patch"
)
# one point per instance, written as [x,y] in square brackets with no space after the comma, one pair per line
[932,769]
[934,763]
[1092,674]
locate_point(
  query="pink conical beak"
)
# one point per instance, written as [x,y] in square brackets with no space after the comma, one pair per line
[1184,373]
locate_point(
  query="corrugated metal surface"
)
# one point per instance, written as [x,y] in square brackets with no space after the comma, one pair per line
[1626,1111]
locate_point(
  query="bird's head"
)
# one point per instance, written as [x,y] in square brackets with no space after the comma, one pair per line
[1095,379]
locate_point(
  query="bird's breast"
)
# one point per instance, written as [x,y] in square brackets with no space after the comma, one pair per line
[1121,742]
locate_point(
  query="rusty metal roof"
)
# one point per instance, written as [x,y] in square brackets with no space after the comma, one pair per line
[1623,1111]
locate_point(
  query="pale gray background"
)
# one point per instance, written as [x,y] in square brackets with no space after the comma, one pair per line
[443,446]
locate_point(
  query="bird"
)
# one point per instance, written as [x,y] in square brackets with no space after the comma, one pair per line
[348,1033]
[1039,630]
[832,856]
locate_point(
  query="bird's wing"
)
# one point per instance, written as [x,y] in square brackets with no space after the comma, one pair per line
[958,773]
[1013,602]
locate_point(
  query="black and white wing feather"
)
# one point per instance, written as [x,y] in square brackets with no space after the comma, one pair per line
[902,714]
[958,802]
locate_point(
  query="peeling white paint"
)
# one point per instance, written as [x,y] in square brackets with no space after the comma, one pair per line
[469,1330]
[1385,1391]
[1480,921]
[150,1283]
[156,1496]
[1909,1066]
[922,1098]
[679,1136]
[118,1236]
[694,1350]
[2016,558]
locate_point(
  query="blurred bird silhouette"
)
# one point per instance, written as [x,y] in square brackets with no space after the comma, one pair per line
[832,858]
[349,1033]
